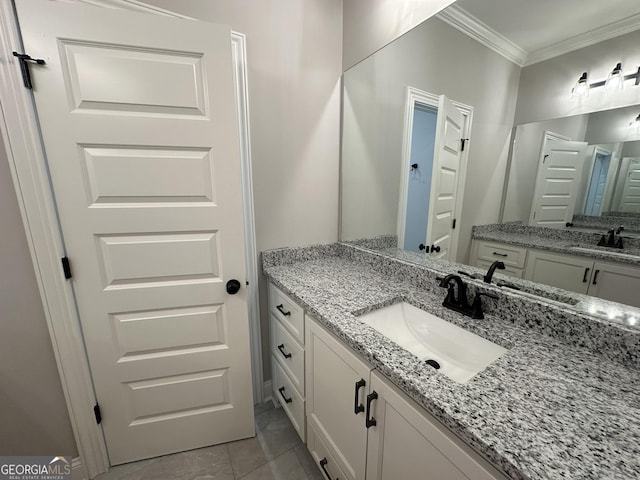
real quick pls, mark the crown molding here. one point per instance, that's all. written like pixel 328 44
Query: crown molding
pixel 487 36
pixel 600 34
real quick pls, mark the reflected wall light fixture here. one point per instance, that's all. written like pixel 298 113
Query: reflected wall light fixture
pixel 581 88
pixel 614 82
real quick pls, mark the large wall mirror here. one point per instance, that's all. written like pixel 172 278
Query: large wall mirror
pixel 394 109
pixel 403 150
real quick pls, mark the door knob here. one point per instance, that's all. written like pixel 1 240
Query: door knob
pixel 423 247
pixel 233 287
pixel 435 248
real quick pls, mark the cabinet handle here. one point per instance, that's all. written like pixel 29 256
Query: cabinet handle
pixel 369 420
pixel 500 254
pixel 595 277
pixel 284 354
pixel 286 314
pixel 357 408
pixel 287 400
pixel 586 272
pixel 323 463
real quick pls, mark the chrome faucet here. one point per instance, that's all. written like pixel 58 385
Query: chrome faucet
pixel 497 264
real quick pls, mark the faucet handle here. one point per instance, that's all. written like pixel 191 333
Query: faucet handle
pixel 477 304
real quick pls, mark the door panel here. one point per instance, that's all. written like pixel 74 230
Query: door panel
pixel 446 170
pixel 631 191
pixel 557 184
pixel 140 133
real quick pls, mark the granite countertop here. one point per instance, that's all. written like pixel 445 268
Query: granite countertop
pixel 545 410
pixel 561 241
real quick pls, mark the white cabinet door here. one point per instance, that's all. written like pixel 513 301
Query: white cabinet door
pixel 139 126
pixel 336 383
pixel 616 283
pixel 562 271
pixel 407 443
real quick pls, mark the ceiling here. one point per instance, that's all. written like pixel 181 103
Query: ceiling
pixel 546 28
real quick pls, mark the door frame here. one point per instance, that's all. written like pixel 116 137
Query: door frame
pixel 420 97
pixel 29 172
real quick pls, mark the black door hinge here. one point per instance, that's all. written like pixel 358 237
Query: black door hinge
pixel 97 413
pixel 464 142
pixel 454 224
pixel 23 58
pixel 66 268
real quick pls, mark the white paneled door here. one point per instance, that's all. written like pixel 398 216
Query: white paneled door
pixel 445 179
pixel 558 181
pixel 138 121
pixel 631 188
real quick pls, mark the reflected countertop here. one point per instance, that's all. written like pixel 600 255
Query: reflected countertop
pixel 581 242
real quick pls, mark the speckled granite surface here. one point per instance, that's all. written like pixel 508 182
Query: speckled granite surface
pixel 548 409
pixel 630 221
pixel 559 240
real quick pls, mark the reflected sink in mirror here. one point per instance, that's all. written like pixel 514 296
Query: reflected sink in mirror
pixel 459 353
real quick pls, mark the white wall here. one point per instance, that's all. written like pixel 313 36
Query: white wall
pixel 294 68
pixel 374 102
pixel 371 24
pixel 524 161
pixel 33 412
pixel 545 87
pixel 613 125
pixel 631 149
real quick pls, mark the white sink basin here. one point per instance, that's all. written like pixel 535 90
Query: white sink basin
pixel 460 353
pixel 615 254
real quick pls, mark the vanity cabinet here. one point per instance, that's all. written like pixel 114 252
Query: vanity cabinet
pixel 337 386
pixel 399 441
pixel 514 257
pixel 406 442
pixel 286 327
pixel 615 282
pixel 607 280
pixel 562 271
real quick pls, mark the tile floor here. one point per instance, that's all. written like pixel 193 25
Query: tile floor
pixel 275 453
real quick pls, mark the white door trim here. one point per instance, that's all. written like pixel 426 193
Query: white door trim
pixel 416 96
pixel 19 129
pixel 238 43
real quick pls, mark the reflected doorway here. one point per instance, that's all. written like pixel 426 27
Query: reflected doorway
pixel 423 137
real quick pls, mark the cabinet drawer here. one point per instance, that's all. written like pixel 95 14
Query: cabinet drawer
pixel 322 456
pixel 509 254
pixel 508 269
pixel 288 312
pixel 288 352
pixel 289 398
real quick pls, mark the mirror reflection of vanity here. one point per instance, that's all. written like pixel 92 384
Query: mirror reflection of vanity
pixel 500 167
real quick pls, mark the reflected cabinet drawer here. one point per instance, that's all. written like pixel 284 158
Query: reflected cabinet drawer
pixel 509 254
pixel 288 312
pixel 509 270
